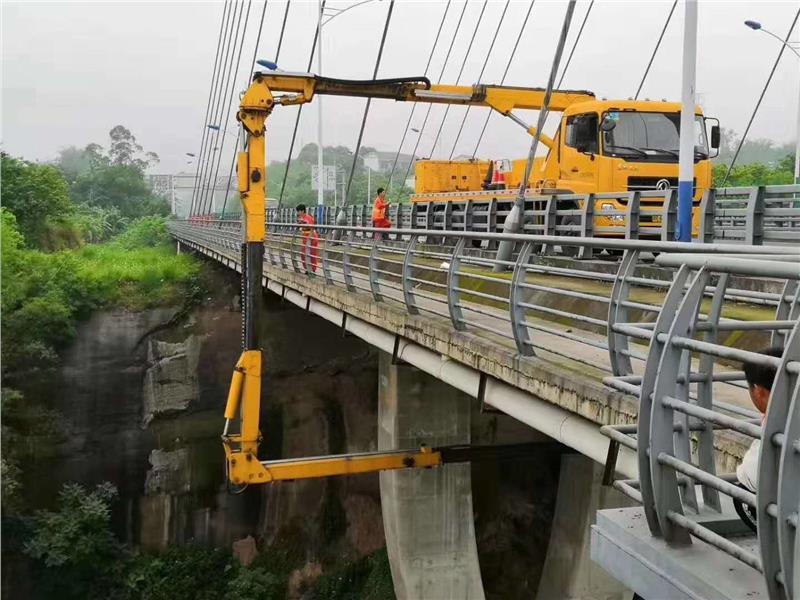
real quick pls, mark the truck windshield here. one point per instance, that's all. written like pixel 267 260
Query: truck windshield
pixel 650 136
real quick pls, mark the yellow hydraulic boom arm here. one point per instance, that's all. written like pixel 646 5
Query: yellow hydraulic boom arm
pixel 244 398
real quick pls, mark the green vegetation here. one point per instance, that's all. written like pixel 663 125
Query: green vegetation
pixel 782 173
pixel 77 556
pixel 298 186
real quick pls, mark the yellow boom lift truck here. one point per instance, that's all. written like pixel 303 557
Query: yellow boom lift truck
pixel 599 146
pixel 241 435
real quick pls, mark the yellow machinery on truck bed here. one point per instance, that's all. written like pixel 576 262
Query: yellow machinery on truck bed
pixel 241 435
pixel 600 146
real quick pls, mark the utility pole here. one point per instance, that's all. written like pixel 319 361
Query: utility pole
pixel 320 174
pixel 686 156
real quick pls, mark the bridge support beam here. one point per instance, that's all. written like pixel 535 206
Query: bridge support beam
pixel 427 514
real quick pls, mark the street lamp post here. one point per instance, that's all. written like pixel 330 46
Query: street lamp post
pixel 756 26
pixel 686 143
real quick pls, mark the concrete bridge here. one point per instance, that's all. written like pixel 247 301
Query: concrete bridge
pixel 569 347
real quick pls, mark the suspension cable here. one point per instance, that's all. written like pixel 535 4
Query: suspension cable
pixel 480 75
pixel 369 101
pixel 222 21
pixel 430 106
pixel 249 74
pixel 460 72
pixel 300 108
pixel 414 106
pixel 215 109
pixel 575 43
pixel 226 109
pixel 760 98
pixel 655 50
pixel 505 73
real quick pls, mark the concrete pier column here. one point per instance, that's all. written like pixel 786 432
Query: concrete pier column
pixel 569 573
pixel 427 514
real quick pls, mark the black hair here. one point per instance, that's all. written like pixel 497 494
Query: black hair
pixel 763 375
pixel 380 191
pixel 300 207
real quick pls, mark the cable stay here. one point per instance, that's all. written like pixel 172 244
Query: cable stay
pixel 480 75
pixel 414 106
pixel 300 110
pixel 227 100
pixel 211 143
pixel 575 44
pixel 222 23
pixel 505 72
pixel 369 102
pixel 460 72
pixel 655 50
pixel 439 80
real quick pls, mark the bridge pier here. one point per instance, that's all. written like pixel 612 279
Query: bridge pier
pixel 569 572
pixel 427 514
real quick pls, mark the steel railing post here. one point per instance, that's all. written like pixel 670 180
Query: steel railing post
pixel 516 312
pixel 372 271
pixel 669 215
pixel 618 348
pixel 632 216
pixel 408 267
pixel 453 295
pixel 587 225
pixel 754 220
pixel 347 272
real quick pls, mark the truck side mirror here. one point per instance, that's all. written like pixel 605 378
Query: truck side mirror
pixel 608 124
pixel 715 136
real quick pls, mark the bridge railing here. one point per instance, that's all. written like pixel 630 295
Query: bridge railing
pixel 537 297
pixel 754 215
pixel 680 422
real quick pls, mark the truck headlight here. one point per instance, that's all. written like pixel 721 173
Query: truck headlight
pixel 606 206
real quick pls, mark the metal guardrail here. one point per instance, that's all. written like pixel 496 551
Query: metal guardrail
pixel 679 420
pixel 676 305
pixel 753 216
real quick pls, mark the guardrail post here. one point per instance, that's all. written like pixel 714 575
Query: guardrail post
pixel 447 224
pixel 408 265
pixel 326 265
pixel 587 225
pixel 666 490
pixel 374 283
pixel 708 208
pixel 618 313
pixel 453 295
pixel 293 252
pixel 754 221
pixel 491 222
pixel 517 313
pixel 705 393
pixel 469 207
pixel 646 399
pixel 669 215
pixel 788 310
pixel 550 220
pixel 347 271
pixel 779 479
pixel 632 216
pixel 414 213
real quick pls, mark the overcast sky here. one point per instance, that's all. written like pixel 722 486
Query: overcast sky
pixel 73 70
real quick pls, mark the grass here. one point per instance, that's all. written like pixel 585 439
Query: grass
pixel 136 278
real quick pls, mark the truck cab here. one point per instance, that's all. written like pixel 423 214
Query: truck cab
pixel 600 146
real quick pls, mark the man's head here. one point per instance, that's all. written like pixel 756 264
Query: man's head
pixel 381 192
pixel 301 209
pixel 760 378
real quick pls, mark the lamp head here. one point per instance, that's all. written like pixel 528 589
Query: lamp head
pixel 754 25
pixel 268 64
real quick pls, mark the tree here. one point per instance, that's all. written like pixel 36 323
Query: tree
pixel 125 151
pixel 37 195
pixel 75 543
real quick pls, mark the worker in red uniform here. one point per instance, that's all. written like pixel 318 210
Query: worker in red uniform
pixel 310 244
pixel 380 217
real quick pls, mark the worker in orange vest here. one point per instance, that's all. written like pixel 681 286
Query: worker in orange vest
pixel 310 244
pixel 379 213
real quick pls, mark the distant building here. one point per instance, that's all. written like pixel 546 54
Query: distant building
pixel 382 162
